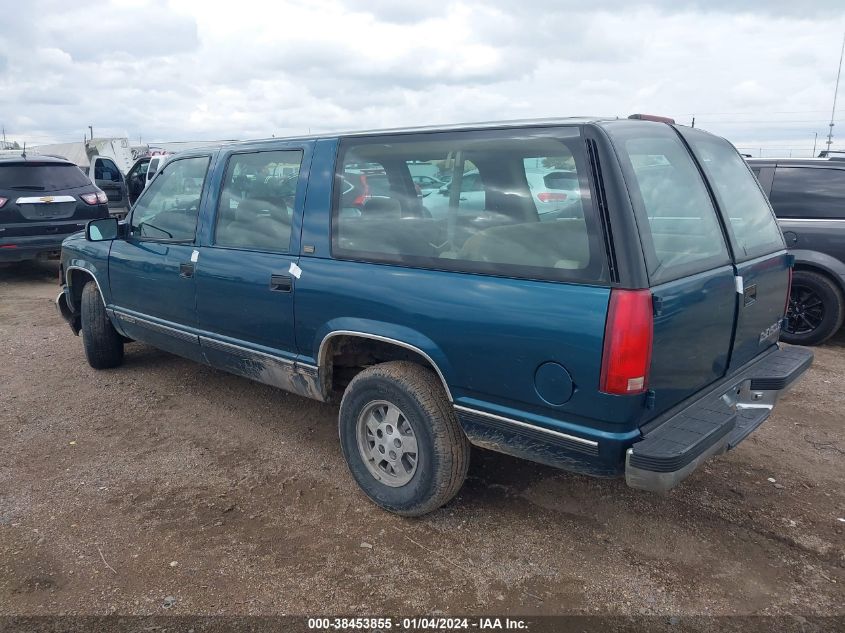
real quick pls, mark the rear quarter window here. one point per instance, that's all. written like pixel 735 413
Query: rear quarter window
pixel 750 218
pixel 44 177
pixel 513 203
pixel 809 192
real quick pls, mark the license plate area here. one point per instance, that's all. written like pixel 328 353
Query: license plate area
pixel 48 210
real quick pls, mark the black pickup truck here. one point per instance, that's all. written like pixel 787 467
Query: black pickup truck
pixel 808 197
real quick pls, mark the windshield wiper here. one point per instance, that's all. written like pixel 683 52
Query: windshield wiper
pixel 144 225
pixel 27 188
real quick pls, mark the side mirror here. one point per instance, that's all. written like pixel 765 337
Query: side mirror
pixel 102 230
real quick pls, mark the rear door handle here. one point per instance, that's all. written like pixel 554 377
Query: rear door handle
pixel 281 283
pixel 186 270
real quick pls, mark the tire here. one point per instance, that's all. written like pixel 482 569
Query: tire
pixel 442 452
pixel 103 345
pixel 816 309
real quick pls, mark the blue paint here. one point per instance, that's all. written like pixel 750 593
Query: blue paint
pixel 521 349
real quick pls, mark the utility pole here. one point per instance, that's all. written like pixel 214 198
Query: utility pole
pixel 91 129
pixel 815 139
pixel 835 91
pixel 693 122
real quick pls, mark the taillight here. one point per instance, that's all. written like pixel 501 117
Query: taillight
pixel 95 198
pixel 628 336
pixel 3 201
pixel 548 196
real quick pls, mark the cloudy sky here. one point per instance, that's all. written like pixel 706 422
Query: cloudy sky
pixel 760 72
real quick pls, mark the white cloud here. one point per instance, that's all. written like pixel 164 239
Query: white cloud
pixel 760 73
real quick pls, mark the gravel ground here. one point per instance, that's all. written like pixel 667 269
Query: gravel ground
pixel 165 479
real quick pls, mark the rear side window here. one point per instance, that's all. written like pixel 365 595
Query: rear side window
pixel 755 230
pixel 256 203
pixel 513 203
pixel 809 192
pixel 35 177
pixel 682 234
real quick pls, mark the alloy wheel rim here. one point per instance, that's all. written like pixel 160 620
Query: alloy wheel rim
pixel 806 310
pixel 387 443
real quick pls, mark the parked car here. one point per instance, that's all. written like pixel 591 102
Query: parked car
pixel 104 161
pixel 808 196
pixel 428 184
pixel 637 339
pixel 42 200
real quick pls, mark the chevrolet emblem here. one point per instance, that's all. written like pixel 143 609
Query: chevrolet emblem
pixel 47 199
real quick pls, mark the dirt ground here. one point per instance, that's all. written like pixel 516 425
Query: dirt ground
pixel 168 487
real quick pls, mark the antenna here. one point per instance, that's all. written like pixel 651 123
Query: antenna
pixel 835 91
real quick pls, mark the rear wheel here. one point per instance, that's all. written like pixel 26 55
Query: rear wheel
pixel 103 345
pixel 401 439
pixel 816 309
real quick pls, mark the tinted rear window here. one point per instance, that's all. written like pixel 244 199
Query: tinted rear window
pixel 681 231
pixel 738 193
pixel 34 177
pixel 809 192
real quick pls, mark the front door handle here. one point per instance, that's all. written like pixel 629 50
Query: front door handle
pixel 186 270
pixel 281 283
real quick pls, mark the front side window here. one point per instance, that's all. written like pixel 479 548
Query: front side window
pixel 139 169
pixel 167 210
pixel 257 200
pixel 513 203
pixel 809 192
pixel 105 169
pixel 738 193
pixel 682 234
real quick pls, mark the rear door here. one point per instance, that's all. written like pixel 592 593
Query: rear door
pixel 762 266
pixel 687 257
pixel 245 269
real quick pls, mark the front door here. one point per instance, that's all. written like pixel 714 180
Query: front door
pixel 136 179
pixel 108 178
pixel 151 273
pixel 245 280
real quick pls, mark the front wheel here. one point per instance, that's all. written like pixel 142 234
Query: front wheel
pixel 815 311
pixel 401 439
pixel 103 345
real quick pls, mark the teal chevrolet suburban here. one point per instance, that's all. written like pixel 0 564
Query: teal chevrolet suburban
pixel 603 296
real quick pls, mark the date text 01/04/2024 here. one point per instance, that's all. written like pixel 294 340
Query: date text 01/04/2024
pixel 415 624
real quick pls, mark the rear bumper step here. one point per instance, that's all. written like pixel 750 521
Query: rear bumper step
pixel 715 423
